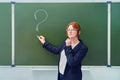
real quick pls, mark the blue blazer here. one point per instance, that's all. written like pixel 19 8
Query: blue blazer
pixel 74 59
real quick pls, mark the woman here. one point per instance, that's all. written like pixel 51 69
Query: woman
pixel 71 53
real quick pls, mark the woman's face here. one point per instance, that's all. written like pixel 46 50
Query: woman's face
pixel 71 32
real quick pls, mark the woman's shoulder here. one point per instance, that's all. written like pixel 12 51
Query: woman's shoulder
pixel 82 44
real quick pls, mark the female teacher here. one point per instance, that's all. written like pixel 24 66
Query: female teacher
pixel 71 53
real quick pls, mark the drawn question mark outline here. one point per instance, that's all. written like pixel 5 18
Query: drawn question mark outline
pixel 42 13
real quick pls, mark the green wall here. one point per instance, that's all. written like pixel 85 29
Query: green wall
pixel 115 33
pixel 5 34
pixel 91 16
pixel 53 18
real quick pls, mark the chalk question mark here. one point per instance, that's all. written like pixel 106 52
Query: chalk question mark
pixel 41 15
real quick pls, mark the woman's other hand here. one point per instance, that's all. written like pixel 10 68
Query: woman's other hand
pixel 68 42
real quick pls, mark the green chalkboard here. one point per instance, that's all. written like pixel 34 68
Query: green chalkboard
pixel 115 32
pixel 50 20
pixel 5 34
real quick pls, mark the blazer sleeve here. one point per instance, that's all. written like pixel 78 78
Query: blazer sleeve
pixel 52 48
pixel 75 58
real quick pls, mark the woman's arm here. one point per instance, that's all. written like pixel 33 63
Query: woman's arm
pixel 75 57
pixel 49 46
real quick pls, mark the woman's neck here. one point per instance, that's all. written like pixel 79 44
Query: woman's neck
pixel 74 40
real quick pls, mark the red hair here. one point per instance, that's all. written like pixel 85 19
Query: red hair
pixel 76 26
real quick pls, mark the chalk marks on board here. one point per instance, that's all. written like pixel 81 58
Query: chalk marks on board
pixel 40 15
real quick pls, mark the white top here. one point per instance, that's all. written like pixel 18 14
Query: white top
pixel 63 61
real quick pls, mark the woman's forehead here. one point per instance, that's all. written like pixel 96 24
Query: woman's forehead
pixel 70 27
